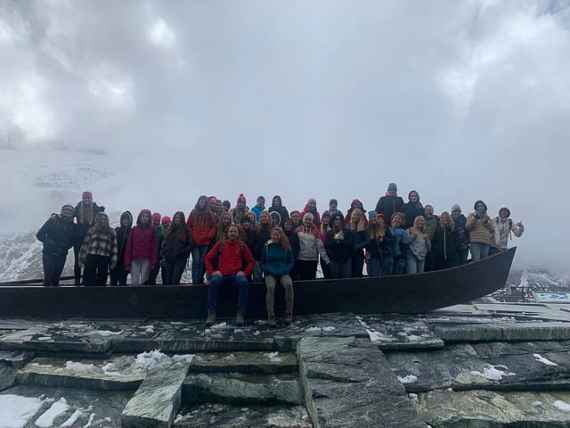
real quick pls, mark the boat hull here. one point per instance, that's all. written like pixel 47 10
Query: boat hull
pixel 407 294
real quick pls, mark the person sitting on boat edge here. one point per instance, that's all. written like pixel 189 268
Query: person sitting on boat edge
pixel 58 235
pixel 229 262
pixel 505 229
pixel 263 234
pixel 141 253
pixel 119 274
pixel 203 225
pixel 176 248
pixel 445 243
pixel 419 245
pixel 276 263
pixel 339 243
pixel 258 208
pixel 481 231
pixel 390 203
pixel 460 222
pixel 379 248
pixel 310 248
pixel 85 213
pixel 399 247
pixel 99 252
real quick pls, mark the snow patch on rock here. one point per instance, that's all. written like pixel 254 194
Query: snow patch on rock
pixel 408 379
pixel 493 373
pixel 16 411
pixel 56 409
pixel 544 361
pixel 562 405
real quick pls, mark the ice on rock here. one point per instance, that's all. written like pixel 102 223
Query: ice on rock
pixel 544 361
pixel 562 405
pixel 493 373
pixel 408 379
pixel 16 411
pixel 70 422
pixel 47 419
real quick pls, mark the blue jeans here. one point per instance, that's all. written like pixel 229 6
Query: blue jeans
pixel 198 269
pixel 479 251
pixel 414 265
pixel 217 281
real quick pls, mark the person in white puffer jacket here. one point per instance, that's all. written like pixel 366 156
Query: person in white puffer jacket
pixel 505 228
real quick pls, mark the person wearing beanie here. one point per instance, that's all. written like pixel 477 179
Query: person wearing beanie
pixel 227 206
pixel 413 208
pixel 203 225
pixel 277 206
pixel 58 234
pixel 141 254
pixel 175 250
pixel 119 274
pixel 460 221
pixel 229 263
pixel 258 208
pixel 165 223
pixel 84 213
pixel 240 211
pixel 390 203
pixel 99 252
pixel 505 229
pixel 481 231
pixel 159 232
pixel 311 207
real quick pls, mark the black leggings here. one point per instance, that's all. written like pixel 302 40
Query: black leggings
pixel 307 269
pixel 96 270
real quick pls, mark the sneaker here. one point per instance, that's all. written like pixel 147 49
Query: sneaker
pixel 239 319
pixel 211 319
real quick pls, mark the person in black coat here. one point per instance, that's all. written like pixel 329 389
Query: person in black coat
pixel 175 249
pixel 460 222
pixel 390 204
pixel 339 244
pixel 445 243
pixel 413 208
pixel 119 274
pixel 58 235
pixel 379 248
pixel 289 230
pixel 277 206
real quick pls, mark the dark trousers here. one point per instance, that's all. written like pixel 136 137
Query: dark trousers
pixel 400 266
pixel 430 262
pixel 233 280
pixel 357 265
pixel 76 264
pixel 153 274
pixel 172 271
pixel 375 267
pixel 462 255
pixel 340 269
pixel 53 267
pixel 96 270
pixel 326 269
pixel 119 275
pixel 307 269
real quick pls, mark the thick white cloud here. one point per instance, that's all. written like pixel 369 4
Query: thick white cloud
pixel 459 100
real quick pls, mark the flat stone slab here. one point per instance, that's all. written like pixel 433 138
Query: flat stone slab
pixel 229 416
pixel 30 406
pixel 119 373
pixel 348 383
pixel 504 332
pixel 156 402
pixel 392 334
pixel 244 362
pixel 7 376
pixel 487 409
pixel 492 366
pixel 240 388
pixel 16 359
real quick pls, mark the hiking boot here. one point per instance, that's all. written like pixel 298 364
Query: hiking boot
pixel 211 318
pixel 271 321
pixel 239 319
pixel 288 318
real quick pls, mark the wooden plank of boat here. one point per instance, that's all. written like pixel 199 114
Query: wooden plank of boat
pixel 409 294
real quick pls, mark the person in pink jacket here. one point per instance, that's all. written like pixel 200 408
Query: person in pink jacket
pixel 141 252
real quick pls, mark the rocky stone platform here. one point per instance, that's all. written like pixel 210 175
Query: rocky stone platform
pixel 478 365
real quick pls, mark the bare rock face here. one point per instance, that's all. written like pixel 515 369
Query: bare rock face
pixel 487 409
pixel 7 376
pixel 348 383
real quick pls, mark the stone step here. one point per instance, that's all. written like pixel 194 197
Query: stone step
pixel 486 409
pixel 221 415
pixel 118 373
pixel 245 362
pixel 157 401
pixel 399 334
pixel 241 388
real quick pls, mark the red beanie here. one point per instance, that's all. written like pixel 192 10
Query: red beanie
pixel 166 220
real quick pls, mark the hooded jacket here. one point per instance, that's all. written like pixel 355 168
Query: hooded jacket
pixel 142 243
pixel 413 210
pixel 122 233
pixel 203 225
pixel 445 245
pixel 280 209
pixel 275 260
pixel 232 257
pixel 176 244
pixel 388 205
pixel 58 236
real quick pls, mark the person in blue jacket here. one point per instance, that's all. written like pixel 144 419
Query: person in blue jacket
pixel 276 263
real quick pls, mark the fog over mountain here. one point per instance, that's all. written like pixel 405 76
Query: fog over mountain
pixel 152 103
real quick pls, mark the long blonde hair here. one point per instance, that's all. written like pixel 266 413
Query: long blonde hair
pixel 415 229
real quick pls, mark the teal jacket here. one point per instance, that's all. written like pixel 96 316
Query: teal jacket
pixel 275 260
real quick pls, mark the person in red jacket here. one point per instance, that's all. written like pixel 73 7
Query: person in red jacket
pixel 229 262
pixel 141 252
pixel 203 225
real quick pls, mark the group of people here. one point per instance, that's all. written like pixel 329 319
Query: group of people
pixel 239 245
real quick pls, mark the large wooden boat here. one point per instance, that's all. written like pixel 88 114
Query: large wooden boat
pixel 405 294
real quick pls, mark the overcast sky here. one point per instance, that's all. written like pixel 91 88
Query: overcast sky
pixel 152 103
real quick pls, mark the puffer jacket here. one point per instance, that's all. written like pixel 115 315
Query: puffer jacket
pixel 481 230
pixel 58 236
pixel 275 260
pixel 203 225
pixel 142 244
